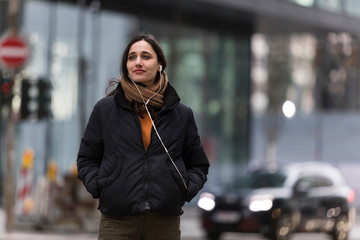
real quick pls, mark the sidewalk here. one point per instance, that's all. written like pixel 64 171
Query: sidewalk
pixel 46 236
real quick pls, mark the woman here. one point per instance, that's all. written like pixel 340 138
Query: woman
pixel 141 154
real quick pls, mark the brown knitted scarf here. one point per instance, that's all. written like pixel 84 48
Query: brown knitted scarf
pixel 132 94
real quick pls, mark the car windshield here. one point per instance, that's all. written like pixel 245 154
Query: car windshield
pixel 259 180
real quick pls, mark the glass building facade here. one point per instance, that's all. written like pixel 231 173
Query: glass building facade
pixel 79 51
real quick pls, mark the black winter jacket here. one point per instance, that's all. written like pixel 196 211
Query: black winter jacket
pixel 115 167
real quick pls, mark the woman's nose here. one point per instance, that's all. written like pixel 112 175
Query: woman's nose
pixel 138 61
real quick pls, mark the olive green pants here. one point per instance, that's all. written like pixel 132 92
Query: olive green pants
pixel 144 226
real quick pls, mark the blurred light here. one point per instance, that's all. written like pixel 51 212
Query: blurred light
pixel 52 171
pixel 261 203
pixel 259 102
pixel 28 205
pixel 16 103
pixel 284 231
pixel 344 38
pixel 303 46
pixel 351 196
pixel 276 213
pixel 333 212
pixel 330 213
pixel 27 160
pixel 5 87
pixel 337 211
pixel 60 49
pixel 289 109
pixel 259 75
pixel 206 201
pixel 302 77
pixel 214 106
pixel 330 223
pixel 259 46
pixel 305 3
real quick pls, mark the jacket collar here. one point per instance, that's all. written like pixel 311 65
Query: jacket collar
pixel 171 98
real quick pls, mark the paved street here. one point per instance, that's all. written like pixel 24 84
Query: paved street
pixel 78 236
pixel 190 231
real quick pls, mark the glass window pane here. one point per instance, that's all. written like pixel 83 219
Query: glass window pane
pixel 329 5
pixel 352 7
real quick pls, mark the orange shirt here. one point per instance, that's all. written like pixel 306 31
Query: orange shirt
pixel 146 129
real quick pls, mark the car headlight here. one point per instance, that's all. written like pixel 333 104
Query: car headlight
pixel 206 201
pixel 260 203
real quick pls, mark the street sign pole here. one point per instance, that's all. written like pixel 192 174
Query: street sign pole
pixel 6 56
pixel 9 178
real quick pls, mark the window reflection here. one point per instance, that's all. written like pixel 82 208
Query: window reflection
pixel 315 65
pixel 349 7
pixel 305 3
pixel 352 7
pixel 207 74
pixel 330 5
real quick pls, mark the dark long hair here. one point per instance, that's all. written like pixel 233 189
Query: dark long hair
pixel 154 44
pixel 124 71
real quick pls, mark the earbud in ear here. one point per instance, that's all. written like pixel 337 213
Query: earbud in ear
pixel 160 68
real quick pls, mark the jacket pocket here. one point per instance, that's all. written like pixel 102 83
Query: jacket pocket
pixel 110 169
pixel 178 173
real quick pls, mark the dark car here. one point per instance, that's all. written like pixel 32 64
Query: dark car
pixel 302 197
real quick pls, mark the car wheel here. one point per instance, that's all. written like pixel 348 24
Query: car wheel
pixel 213 235
pixel 342 227
pixel 281 229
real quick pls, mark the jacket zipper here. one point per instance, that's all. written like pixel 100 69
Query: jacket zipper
pixel 147 205
pixel 146 185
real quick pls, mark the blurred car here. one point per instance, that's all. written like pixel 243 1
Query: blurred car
pixel 302 197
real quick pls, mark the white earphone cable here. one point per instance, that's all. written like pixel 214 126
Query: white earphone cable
pixel 156 131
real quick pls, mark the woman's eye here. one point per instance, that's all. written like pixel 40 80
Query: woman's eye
pixel 146 57
pixel 131 57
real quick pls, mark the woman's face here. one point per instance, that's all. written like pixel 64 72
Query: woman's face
pixel 142 63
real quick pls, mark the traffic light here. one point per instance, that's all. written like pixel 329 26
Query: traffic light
pixel 44 99
pixel 6 93
pixel 36 99
pixel 29 103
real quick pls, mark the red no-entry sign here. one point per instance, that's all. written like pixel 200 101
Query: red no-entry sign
pixel 14 52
